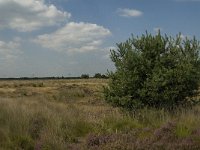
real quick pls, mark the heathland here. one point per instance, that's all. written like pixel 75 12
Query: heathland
pixel 72 114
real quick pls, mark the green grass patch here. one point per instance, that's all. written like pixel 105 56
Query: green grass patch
pixel 182 131
pixel 123 124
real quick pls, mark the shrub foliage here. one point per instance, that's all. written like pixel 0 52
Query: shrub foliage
pixel 154 71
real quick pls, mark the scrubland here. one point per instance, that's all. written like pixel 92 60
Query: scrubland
pixel 72 114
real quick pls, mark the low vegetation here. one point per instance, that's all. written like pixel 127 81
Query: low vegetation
pixel 71 114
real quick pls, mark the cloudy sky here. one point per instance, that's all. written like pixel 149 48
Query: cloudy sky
pixel 72 37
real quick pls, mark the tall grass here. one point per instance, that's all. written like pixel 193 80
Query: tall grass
pixel 49 124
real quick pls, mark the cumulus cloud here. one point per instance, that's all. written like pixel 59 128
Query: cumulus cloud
pixel 29 15
pixel 75 37
pixel 129 12
pixel 106 56
pixel 9 50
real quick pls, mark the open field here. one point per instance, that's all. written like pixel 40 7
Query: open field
pixel 71 114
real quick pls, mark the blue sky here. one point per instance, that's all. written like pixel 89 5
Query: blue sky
pixel 72 37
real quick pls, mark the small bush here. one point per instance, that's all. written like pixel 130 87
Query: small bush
pixel 154 71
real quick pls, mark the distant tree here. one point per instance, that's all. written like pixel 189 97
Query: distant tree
pixel 97 75
pixel 85 76
pixel 154 71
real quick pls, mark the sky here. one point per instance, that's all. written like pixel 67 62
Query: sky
pixel 40 38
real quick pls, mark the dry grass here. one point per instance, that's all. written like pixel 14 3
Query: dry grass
pixel 71 114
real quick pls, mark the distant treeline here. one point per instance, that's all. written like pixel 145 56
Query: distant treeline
pixel 39 78
pixel 83 76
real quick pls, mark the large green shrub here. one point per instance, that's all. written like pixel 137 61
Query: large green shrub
pixel 154 71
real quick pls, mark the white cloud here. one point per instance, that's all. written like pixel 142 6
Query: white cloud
pixel 106 56
pixel 75 37
pixel 9 50
pixel 129 12
pixel 182 36
pixel 29 15
pixel 156 29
